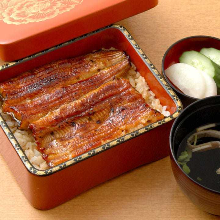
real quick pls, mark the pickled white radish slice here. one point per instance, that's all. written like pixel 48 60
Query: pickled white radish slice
pixel 211 88
pixel 188 79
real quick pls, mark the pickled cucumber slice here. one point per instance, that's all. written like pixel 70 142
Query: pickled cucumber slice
pixel 201 62
pixel 212 54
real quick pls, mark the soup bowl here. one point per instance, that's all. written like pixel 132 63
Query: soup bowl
pixel 174 52
pixel 199 113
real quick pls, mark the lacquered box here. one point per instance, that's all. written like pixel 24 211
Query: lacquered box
pixel 31 26
pixel 54 186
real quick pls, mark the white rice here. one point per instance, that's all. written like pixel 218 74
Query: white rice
pixel 139 83
pixel 27 142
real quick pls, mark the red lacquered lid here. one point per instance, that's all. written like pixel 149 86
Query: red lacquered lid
pixel 30 26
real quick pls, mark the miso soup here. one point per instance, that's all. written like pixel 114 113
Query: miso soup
pixel 201 163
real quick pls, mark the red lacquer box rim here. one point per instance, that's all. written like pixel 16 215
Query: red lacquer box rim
pixel 28 31
pixel 106 146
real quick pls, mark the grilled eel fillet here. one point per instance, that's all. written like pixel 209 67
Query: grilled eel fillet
pixel 110 111
pixel 75 105
pixel 28 84
pixel 34 94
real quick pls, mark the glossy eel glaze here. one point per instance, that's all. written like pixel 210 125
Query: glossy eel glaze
pixel 75 105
